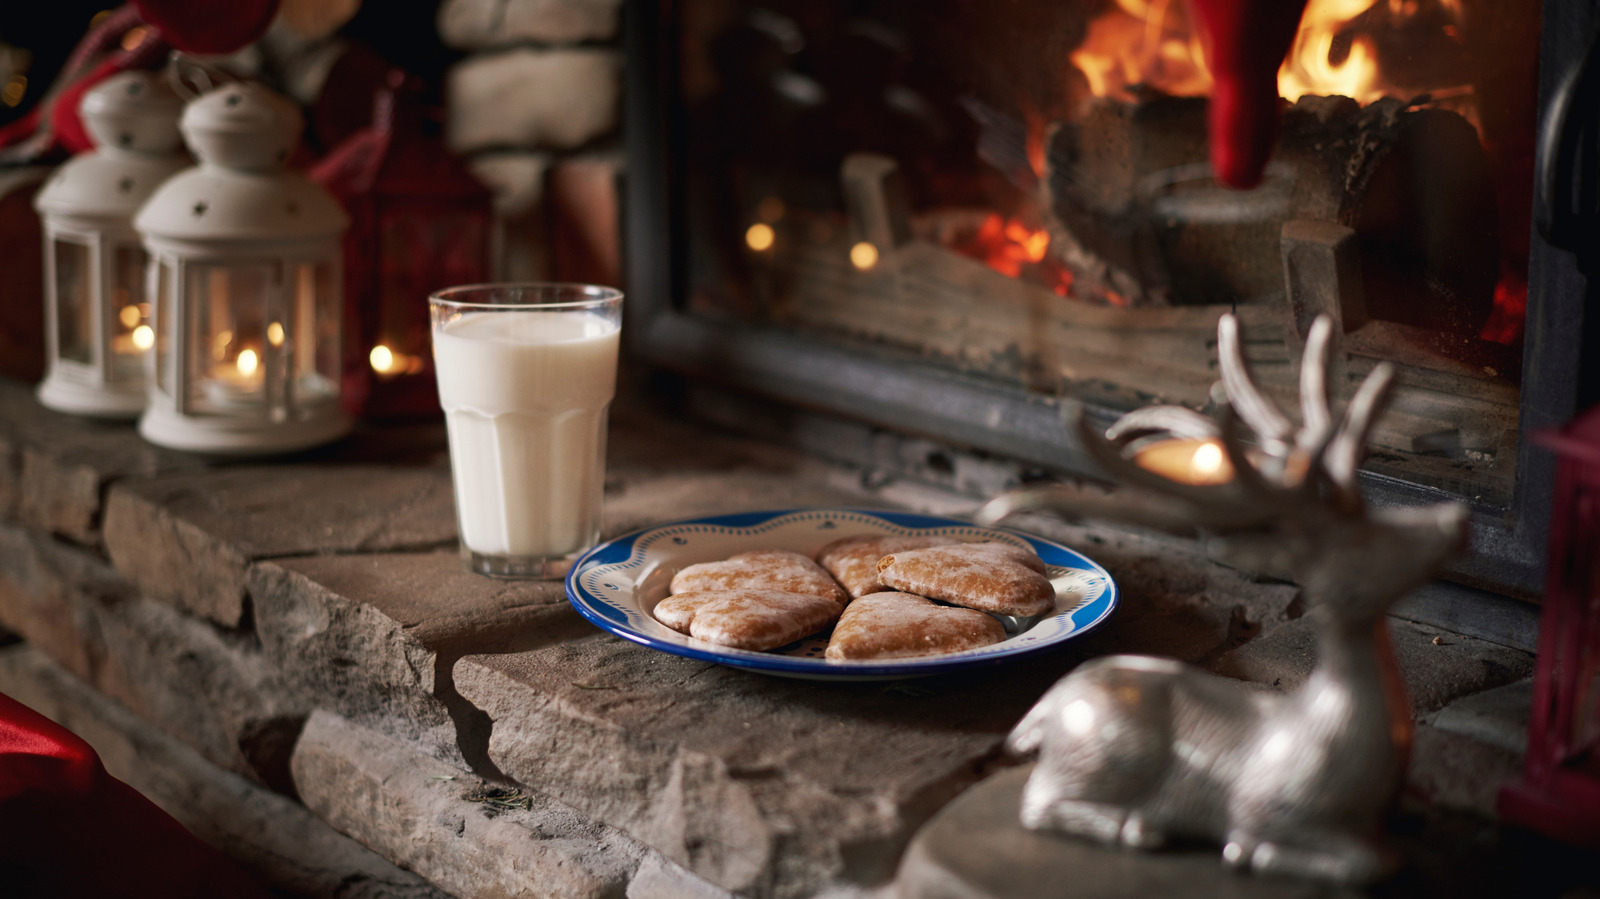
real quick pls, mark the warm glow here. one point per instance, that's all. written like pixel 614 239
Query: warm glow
pixel 133 37
pixel 771 209
pixel 129 316
pixel 1013 248
pixel 760 237
pixel 247 362
pixel 144 337
pixel 863 255
pixel 219 345
pixel 1188 460
pixel 1152 43
pixel 275 334
pixel 382 359
pixel 1143 42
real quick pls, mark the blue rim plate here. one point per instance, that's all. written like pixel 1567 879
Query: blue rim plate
pixel 617 584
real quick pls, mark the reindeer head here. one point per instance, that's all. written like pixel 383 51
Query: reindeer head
pixel 1293 506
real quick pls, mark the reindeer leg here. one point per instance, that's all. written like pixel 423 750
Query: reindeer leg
pixel 1331 856
pixel 1098 821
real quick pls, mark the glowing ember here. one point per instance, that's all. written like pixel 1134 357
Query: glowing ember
pixel 1506 321
pixel 1012 248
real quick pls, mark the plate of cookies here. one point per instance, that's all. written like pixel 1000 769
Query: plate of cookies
pixel 840 594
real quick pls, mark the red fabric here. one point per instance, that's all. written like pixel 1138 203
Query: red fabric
pixel 98 56
pixel 68 828
pixel 208 26
pixel 1246 41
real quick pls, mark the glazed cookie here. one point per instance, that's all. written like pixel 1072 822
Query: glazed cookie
pixel 747 619
pixel 853 561
pixel 762 569
pixel 989 577
pixel 894 625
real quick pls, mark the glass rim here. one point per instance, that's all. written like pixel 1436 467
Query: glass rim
pixel 590 295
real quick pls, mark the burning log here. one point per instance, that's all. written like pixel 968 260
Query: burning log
pixel 1135 212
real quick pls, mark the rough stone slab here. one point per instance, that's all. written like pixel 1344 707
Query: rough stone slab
pixel 51 594
pixel 412 808
pixel 1498 717
pixel 60 464
pixel 270 835
pixel 1453 771
pixel 376 638
pixel 976 848
pixel 1437 666
pixel 533 99
pixel 188 539
pixel 211 689
pixel 487 24
pixel 763 786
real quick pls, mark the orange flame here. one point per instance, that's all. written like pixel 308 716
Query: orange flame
pixel 1016 250
pixel 1151 43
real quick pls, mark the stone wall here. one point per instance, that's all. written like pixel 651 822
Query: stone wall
pixel 535 107
pixel 296 642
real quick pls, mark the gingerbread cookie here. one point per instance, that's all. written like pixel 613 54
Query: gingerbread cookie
pixel 892 625
pixel 762 569
pixel 853 561
pixel 989 577
pixel 747 619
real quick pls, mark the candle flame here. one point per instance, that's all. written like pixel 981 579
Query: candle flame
pixel 247 362
pixel 760 236
pixel 275 334
pixel 144 337
pixel 382 359
pixel 129 316
pixel 864 255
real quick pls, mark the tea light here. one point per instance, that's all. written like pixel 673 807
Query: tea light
pixel 1187 460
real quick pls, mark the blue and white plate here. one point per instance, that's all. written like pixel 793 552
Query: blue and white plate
pixel 617 584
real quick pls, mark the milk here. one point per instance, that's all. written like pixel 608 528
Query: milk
pixel 525 396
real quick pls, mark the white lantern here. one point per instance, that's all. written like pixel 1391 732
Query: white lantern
pixel 244 271
pixel 98 318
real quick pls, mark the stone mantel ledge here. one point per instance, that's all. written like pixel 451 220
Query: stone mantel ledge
pixel 227 604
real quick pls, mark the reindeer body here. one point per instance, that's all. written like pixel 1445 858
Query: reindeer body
pixel 1135 750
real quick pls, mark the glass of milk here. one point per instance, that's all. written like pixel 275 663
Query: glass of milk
pixel 526 373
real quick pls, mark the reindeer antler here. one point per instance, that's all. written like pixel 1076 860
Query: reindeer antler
pixel 1283 472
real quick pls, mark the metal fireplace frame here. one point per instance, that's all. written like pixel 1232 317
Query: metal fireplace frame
pixel 903 393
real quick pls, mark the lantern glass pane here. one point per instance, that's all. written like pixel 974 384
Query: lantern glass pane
pixel 74 274
pixel 317 321
pixel 131 332
pixel 229 360
pixel 163 325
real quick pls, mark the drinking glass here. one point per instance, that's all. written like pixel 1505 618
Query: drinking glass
pixel 526 374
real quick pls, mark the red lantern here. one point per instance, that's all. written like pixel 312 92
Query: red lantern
pixel 419 223
pixel 1559 793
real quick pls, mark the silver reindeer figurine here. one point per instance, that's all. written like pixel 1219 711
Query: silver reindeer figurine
pixel 1136 749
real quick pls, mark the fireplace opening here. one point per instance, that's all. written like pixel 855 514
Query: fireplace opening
pixel 1021 191
pixel 1015 199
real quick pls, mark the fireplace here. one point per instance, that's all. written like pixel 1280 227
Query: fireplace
pixel 956 220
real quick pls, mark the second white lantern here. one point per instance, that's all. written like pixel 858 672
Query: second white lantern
pixel 245 275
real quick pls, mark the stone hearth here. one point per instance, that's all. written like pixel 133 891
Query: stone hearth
pixel 290 659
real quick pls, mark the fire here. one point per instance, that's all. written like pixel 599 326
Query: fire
pixel 1143 42
pixel 1012 248
pixel 1151 43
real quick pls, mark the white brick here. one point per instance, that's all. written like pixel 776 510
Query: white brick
pixel 556 99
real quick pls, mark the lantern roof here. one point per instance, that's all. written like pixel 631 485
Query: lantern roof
pixel 213 203
pixel 242 134
pixel 135 112
pixel 105 185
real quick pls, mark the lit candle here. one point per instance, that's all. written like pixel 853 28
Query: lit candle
pixel 1187 460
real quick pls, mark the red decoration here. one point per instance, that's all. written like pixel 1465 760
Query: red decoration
pixel 207 27
pixel 1245 41
pixel 1559 794
pixel 68 828
pixel 419 222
